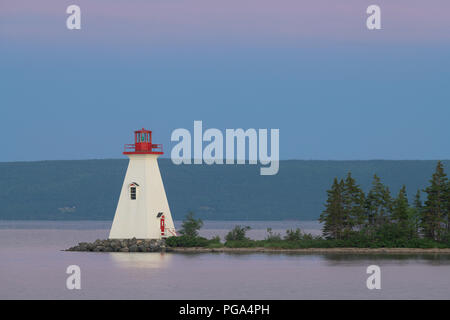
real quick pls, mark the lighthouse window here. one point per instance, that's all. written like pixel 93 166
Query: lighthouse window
pixel 133 193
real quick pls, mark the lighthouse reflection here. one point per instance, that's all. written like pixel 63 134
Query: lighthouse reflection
pixel 149 260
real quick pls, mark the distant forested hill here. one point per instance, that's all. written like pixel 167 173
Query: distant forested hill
pixel 89 189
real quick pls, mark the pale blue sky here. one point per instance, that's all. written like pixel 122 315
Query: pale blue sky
pixel 334 89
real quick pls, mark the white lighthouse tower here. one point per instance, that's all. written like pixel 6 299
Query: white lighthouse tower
pixel 143 211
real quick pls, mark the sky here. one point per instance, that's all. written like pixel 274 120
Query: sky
pixel 312 69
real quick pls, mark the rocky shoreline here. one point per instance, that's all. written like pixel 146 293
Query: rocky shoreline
pixel 123 245
pixel 315 250
pixel 154 245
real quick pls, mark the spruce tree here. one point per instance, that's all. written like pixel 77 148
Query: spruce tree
pixel 447 197
pixel 417 201
pixel 378 204
pixel 191 226
pixel 400 207
pixel 414 214
pixel 435 211
pixel 333 215
pixel 353 205
pixel 401 213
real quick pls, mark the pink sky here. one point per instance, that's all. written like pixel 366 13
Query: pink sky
pixel 244 21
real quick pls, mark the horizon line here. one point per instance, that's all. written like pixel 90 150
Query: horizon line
pixel 283 160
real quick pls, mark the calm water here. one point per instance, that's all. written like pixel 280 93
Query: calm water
pixel 32 266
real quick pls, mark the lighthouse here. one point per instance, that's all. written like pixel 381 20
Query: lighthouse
pixel 142 211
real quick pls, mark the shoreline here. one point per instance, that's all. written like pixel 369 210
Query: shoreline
pixel 312 250
pixel 155 245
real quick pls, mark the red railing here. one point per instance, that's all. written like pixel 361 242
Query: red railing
pixel 154 148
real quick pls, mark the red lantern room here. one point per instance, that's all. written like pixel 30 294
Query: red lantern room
pixel 143 144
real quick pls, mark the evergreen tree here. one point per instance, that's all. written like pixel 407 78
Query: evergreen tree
pixel 417 201
pixel 414 214
pixel 378 204
pixel 333 216
pixel 401 214
pixel 400 207
pixel 353 205
pixel 435 211
pixel 447 197
pixel 238 234
pixel 191 226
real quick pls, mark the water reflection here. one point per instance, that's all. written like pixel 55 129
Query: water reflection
pixel 386 259
pixel 330 259
pixel 149 260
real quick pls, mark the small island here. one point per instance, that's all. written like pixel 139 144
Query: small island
pixel 124 245
pixel 353 222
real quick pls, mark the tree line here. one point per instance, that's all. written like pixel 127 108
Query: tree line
pixel 353 218
pixel 350 213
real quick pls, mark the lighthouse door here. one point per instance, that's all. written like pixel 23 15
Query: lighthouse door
pixel 162 225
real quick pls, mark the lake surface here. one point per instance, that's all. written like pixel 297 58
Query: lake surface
pixel 32 266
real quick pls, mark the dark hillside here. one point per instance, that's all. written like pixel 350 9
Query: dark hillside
pixel 89 189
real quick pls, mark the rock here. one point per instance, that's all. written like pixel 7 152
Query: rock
pixel 122 245
pixel 115 244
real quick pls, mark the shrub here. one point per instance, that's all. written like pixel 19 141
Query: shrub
pixel 292 235
pixel 297 235
pixel 272 236
pixel 215 239
pixel 191 226
pixel 237 234
pixel 187 241
pixel 247 243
